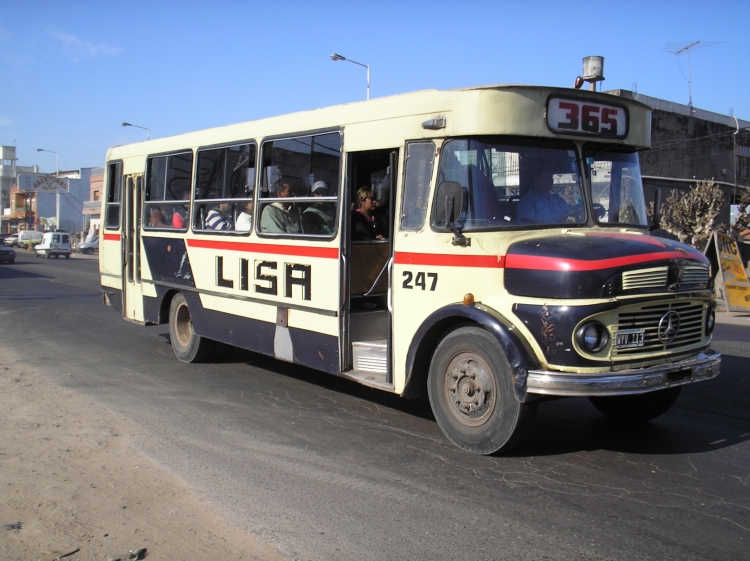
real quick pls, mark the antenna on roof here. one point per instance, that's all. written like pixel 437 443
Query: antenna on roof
pixel 679 48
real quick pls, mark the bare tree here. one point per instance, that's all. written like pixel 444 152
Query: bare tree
pixel 742 222
pixel 691 215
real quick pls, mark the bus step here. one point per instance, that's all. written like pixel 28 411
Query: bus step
pixel 370 356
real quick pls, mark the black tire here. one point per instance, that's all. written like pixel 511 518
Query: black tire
pixel 471 394
pixel 88 251
pixel 67 256
pixel 187 346
pixel 639 408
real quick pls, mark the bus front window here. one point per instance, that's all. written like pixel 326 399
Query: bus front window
pixel 509 184
pixel 616 187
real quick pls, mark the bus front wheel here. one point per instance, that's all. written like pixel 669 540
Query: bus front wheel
pixel 471 393
pixel 187 346
pixel 639 408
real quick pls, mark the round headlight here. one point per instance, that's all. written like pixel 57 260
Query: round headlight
pixel 592 336
pixel 710 321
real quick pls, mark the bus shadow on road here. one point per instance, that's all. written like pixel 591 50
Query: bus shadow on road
pixel 226 354
pixel 708 416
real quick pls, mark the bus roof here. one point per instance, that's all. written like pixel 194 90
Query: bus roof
pixel 517 110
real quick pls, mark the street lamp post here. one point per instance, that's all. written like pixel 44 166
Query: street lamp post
pixel 57 187
pixel 148 131
pixel 336 57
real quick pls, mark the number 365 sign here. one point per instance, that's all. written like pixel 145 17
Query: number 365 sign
pixel 575 116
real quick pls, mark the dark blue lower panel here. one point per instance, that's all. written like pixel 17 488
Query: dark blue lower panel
pixel 114 295
pixel 153 311
pixel 312 349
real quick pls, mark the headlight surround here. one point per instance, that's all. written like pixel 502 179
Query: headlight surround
pixel 710 321
pixel 592 336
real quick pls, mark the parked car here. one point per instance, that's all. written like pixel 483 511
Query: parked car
pixel 90 246
pixel 7 255
pixel 54 244
pixel 11 240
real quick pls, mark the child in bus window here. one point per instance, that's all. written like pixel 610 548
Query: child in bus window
pixel 218 218
pixel 157 218
pixel 245 218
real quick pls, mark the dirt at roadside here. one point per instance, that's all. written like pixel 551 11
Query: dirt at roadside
pixel 70 476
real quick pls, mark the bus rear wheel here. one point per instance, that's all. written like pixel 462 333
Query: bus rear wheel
pixel 187 346
pixel 471 393
pixel 639 408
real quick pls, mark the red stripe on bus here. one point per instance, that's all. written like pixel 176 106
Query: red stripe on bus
pixel 532 261
pixel 112 237
pixel 440 260
pixel 296 250
pixel 558 264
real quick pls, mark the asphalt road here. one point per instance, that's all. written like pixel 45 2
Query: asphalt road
pixel 329 470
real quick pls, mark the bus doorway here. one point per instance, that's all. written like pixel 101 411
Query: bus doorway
pixel 371 180
pixel 132 294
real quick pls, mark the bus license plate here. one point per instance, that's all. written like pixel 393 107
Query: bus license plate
pixel 627 338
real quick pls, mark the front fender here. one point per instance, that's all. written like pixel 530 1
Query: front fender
pixel 519 356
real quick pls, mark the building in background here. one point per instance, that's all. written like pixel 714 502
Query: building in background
pixel 70 212
pixel 690 145
pixel 37 209
pixel 8 173
pixel 93 206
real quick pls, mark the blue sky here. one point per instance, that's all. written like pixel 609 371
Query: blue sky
pixel 74 71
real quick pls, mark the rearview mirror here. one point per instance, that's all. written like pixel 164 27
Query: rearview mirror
pixel 449 201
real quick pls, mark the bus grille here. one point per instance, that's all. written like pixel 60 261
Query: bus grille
pixel 647 317
pixel 694 274
pixel 645 278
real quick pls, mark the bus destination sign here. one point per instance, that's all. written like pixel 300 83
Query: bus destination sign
pixel 575 116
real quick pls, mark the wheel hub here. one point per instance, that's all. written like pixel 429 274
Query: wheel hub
pixel 183 326
pixel 470 389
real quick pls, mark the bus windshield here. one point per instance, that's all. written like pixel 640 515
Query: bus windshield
pixel 616 186
pixel 511 183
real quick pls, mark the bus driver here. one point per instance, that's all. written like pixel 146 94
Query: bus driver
pixel 540 205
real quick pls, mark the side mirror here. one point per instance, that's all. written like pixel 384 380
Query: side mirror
pixel 657 211
pixel 449 203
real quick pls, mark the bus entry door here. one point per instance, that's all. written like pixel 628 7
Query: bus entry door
pixel 132 295
pixel 367 320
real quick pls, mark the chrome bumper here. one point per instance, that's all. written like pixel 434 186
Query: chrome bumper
pixel 640 380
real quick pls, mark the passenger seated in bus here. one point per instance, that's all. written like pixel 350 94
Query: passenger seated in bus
pixel 280 217
pixel 157 218
pixel 245 218
pixel 319 217
pixel 365 226
pixel 179 218
pixel 541 206
pixel 218 218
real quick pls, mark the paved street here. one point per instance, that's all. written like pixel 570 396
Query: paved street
pixel 329 470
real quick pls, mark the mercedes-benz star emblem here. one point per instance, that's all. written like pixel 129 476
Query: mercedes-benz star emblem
pixel 669 325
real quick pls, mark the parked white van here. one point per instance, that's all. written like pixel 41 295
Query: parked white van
pixel 26 237
pixel 54 244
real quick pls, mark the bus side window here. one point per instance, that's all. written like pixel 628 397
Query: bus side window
pixel 224 189
pixel 419 161
pixel 168 191
pixel 299 189
pixel 114 192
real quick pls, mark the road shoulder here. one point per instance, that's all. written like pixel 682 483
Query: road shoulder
pixel 70 476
